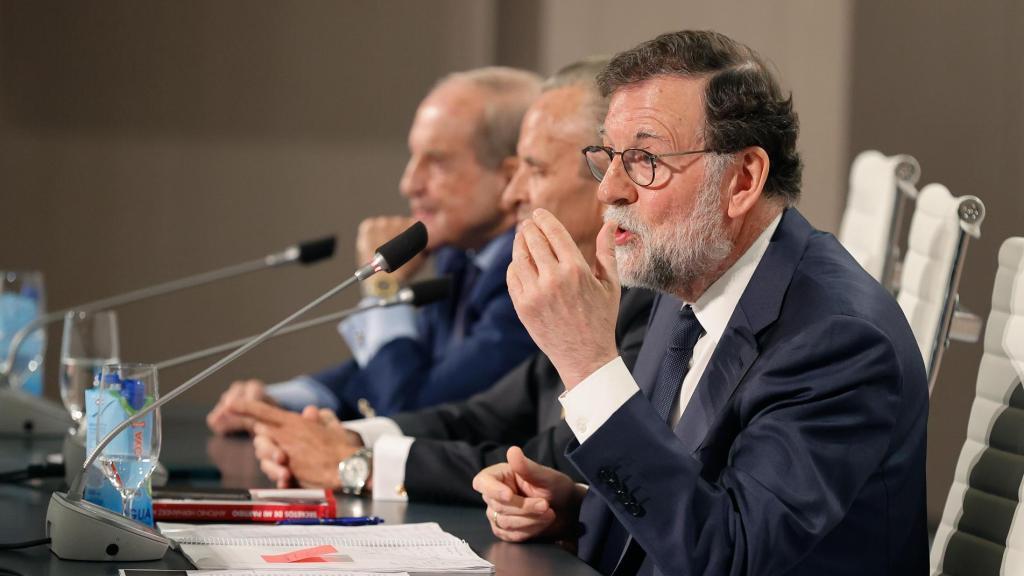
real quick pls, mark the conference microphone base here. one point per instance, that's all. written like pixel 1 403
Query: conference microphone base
pixel 23 414
pixel 81 530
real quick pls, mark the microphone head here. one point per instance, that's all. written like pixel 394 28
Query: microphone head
pixel 312 251
pixel 430 291
pixel 400 249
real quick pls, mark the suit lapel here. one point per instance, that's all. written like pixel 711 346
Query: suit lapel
pixel 757 309
pixel 492 279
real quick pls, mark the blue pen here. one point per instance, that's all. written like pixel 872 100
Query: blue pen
pixel 344 521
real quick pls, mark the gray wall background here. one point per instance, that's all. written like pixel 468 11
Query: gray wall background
pixel 143 141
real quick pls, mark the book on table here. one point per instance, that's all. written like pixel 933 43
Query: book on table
pixel 241 505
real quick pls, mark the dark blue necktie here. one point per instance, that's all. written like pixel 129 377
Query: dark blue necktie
pixel 674 366
pixel 676 362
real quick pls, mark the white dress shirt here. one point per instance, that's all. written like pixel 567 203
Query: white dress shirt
pixel 593 401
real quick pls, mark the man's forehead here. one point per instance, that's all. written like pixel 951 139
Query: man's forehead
pixel 653 108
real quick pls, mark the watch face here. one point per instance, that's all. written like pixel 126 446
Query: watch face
pixel 355 472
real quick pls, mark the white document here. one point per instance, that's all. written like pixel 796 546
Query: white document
pixel 139 572
pixel 396 548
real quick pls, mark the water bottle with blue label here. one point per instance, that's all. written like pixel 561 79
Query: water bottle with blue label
pixel 22 300
pixel 119 479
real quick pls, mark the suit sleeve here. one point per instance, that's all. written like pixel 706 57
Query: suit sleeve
pixel 508 414
pixel 404 374
pixel 814 423
pixel 505 412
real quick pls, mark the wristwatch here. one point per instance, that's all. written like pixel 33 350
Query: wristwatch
pixel 354 471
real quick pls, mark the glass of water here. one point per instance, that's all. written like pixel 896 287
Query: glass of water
pixel 123 391
pixel 90 340
pixel 22 300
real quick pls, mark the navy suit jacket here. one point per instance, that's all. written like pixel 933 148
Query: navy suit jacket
pixel 802 450
pixel 407 373
pixel 455 441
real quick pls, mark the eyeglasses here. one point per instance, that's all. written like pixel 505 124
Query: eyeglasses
pixel 639 164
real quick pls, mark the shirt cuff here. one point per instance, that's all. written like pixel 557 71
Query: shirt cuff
pixel 368 331
pixel 297 393
pixel 390 454
pixel 373 429
pixel 593 401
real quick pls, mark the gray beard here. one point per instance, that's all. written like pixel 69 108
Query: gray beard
pixel 673 260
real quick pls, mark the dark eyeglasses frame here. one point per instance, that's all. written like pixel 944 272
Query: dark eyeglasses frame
pixel 648 156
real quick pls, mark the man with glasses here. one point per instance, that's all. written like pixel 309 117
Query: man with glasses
pixel 775 420
pixel 462 155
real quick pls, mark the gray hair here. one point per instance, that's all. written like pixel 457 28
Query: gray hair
pixel 509 93
pixel 583 73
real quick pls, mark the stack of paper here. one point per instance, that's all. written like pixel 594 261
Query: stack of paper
pixel 398 548
pixel 134 572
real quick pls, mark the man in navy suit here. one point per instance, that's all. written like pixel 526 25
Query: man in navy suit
pixel 775 419
pixel 462 155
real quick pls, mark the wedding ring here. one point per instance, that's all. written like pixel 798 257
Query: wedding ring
pixel 494 516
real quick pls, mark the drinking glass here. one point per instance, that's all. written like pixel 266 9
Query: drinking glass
pixel 90 340
pixel 22 300
pixel 127 462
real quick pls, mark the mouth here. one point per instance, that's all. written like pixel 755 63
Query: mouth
pixel 421 213
pixel 623 236
pixel 523 214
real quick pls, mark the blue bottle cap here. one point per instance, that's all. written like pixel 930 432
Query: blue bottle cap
pixel 134 392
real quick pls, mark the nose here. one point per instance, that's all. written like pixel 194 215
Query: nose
pixel 617 187
pixel 412 182
pixel 515 192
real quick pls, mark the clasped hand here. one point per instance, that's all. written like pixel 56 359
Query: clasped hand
pixel 526 500
pixel 568 308
pixel 302 449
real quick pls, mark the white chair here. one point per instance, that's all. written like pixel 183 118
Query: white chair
pixel 940 230
pixel 982 528
pixel 880 186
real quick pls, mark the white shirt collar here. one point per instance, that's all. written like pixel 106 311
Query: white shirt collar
pixel 715 306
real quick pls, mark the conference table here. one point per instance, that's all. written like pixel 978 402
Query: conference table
pixel 194 457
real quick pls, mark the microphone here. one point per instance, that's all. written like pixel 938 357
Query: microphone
pixel 81 530
pixel 417 294
pixel 394 253
pixel 25 413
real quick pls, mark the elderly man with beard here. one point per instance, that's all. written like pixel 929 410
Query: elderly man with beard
pixel 775 420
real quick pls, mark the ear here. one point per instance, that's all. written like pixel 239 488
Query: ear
pixel 752 166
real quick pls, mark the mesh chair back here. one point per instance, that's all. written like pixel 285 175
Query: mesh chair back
pixel 982 528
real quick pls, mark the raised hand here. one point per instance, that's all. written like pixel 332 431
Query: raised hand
pixel 569 310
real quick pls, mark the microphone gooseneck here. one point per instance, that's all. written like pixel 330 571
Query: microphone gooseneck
pixel 306 253
pixel 418 294
pixel 412 241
